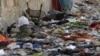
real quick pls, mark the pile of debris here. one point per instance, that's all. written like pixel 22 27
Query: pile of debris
pixel 60 34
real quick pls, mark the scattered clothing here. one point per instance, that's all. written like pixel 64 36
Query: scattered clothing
pixel 23 21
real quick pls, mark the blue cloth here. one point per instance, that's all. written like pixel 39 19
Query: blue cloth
pixel 67 3
pixel 36 45
pixel 20 44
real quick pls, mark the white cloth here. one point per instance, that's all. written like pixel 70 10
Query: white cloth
pixel 72 19
pixel 83 17
pixel 28 45
pixel 2 52
pixel 22 21
pixel 71 47
pixel 13 46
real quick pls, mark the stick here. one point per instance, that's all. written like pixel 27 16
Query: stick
pixel 40 12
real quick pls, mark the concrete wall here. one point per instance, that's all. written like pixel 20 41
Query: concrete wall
pixel 11 9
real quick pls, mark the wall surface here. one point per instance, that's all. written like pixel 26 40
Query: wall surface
pixel 12 9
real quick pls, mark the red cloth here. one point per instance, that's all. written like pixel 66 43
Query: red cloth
pixel 4 39
pixel 65 37
pixel 55 4
pixel 93 25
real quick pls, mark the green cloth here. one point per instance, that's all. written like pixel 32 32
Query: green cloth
pixel 37 54
pixel 66 3
pixel 59 31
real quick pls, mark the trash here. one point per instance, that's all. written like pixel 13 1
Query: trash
pixel 73 34
pixel 21 52
pixel 36 45
pixel 71 47
pixel 37 54
pixel 28 45
pixel 59 31
pixel 13 46
pixel 2 52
